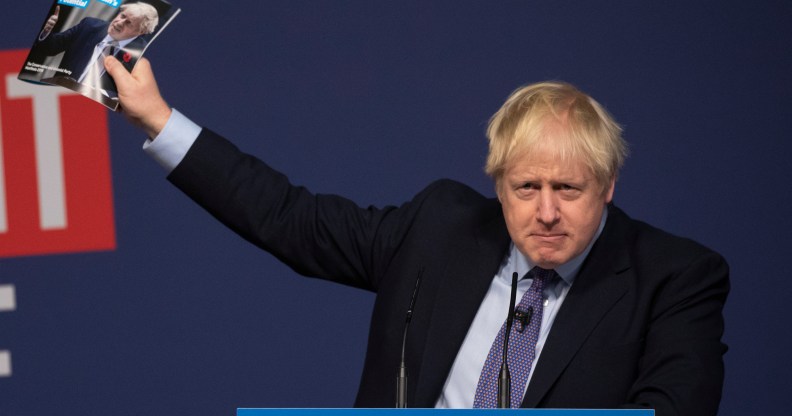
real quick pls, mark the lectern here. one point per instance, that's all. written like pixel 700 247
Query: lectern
pixel 444 412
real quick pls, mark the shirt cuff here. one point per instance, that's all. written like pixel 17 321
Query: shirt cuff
pixel 173 142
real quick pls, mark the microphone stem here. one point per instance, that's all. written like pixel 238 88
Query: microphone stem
pixel 504 377
pixel 401 378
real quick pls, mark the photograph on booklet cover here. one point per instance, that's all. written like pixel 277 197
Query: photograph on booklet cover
pixel 77 35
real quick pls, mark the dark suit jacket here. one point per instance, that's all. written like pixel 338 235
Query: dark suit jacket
pixel 78 43
pixel 640 327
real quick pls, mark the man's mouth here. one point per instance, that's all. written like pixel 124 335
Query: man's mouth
pixel 548 237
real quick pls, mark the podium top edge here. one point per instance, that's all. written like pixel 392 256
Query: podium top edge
pixel 443 412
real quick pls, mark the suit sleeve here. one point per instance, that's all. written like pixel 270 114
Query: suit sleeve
pixel 681 371
pixel 323 236
pixel 56 43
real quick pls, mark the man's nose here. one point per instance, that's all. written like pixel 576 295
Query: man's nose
pixel 547 211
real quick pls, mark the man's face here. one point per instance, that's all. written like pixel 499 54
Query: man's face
pixel 552 207
pixel 124 26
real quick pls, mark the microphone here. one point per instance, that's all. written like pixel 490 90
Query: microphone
pixel 504 377
pixel 401 378
pixel 524 318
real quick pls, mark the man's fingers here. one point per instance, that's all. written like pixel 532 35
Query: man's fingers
pixel 141 78
pixel 140 99
pixel 142 70
pixel 54 18
pixel 117 71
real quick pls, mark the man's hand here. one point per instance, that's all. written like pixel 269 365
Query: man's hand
pixel 139 95
pixel 52 20
pixel 50 24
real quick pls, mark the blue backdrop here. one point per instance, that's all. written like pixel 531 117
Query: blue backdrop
pixel 372 100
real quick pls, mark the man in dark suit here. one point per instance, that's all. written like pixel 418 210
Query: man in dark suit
pixel 627 315
pixel 86 44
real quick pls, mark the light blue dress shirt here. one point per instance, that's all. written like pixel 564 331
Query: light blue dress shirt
pixel 173 142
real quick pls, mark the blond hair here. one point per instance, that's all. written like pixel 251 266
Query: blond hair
pixel 149 18
pixel 556 114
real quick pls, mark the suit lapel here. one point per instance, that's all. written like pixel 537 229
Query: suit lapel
pixel 464 283
pixel 596 289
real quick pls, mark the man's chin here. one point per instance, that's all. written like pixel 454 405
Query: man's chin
pixel 547 259
pixel 117 36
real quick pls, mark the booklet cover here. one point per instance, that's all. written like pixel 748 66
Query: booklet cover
pixel 77 35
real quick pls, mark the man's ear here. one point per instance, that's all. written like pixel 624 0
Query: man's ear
pixel 608 192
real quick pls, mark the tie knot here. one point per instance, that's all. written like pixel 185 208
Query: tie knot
pixel 540 276
pixel 109 46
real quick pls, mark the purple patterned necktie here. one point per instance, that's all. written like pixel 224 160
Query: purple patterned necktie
pixel 522 346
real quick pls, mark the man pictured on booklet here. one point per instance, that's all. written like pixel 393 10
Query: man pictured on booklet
pixel 614 312
pixel 88 43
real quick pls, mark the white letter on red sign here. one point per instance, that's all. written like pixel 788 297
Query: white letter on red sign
pixel 49 152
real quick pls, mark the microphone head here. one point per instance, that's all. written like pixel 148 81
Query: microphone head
pixel 523 317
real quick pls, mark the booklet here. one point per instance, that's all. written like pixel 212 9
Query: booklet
pixel 77 35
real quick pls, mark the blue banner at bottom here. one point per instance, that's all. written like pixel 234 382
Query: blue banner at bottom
pixel 445 412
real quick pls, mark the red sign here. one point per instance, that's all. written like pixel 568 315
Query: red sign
pixel 55 182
